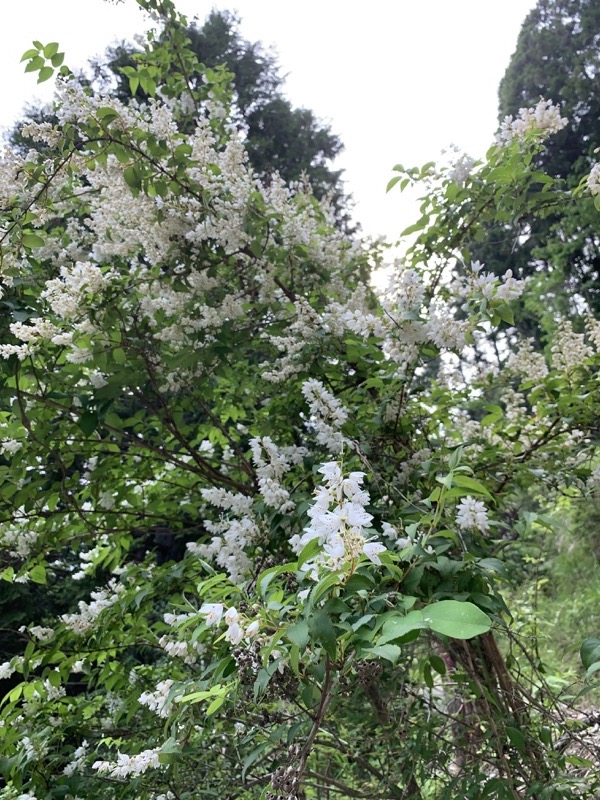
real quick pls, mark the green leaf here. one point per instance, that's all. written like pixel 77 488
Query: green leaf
pixel 36 63
pixel 295 660
pixel 253 756
pixel 516 739
pixel 397 627
pixel 298 633
pixel 391 652
pixel 31 53
pixel 438 664
pixel 38 574
pixel 106 114
pixel 32 240
pixel 119 355
pixel 506 314
pixel 418 226
pixel 45 74
pixel 459 620
pixel 546 736
pixel 88 422
pixel 427 676
pixel 215 705
pixel 456 619
pixel 592 669
pixel 132 177
pixel 309 550
pixel 51 49
pixel 169 751
pixel 323 586
pixel 321 629
pixel 265 577
pixel 464 482
pixel 590 651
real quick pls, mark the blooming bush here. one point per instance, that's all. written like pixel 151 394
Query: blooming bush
pixel 281 502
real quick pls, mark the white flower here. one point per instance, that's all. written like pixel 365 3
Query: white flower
pixel 252 629
pixel 158 701
pixel 234 634
pixel 106 500
pixel 231 616
pixel 331 471
pixel 41 634
pixel 327 415
pixel 85 620
pixel 372 551
pixel 213 613
pixel 129 765
pixel 335 547
pixel 10 446
pixel 338 519
pixel 97 379
pixel 543 119
pixel 472 514
pixel 6 670
pixel 593 180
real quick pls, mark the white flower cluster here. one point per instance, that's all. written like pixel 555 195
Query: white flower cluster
pixel 40 633
pixel 354 315
pixel 338 522
pixel 461 169
pixel 544 118
pixel 527 362
pixel 88 614
pixel 77 762
pixel 410 322
pixel 176 648
pixel 327 415
pixel 34 750
pixel 593 179
pixel 230 536
pixel 68 295
pixel 472 514
pixel 10 446
pixel 19 536
pixel 569 349
pixel 405 292
pixel 161 700
pixel 270 471
pixel 487 284
pixel 237 629
pixel 592 326
pixel 6 670
pixel 291 347
pixel 36 331
pixel 129 765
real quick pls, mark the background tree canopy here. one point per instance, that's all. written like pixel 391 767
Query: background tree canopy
pixel 556 57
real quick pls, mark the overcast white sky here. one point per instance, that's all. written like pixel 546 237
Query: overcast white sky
pixel 397 80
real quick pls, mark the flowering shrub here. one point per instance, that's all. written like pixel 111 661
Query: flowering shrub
pixel 281 502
